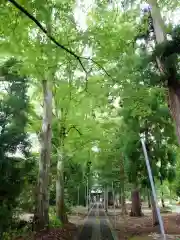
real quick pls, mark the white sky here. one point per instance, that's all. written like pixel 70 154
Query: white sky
pixel 81 10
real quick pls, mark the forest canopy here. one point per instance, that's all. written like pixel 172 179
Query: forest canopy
pixel 80 81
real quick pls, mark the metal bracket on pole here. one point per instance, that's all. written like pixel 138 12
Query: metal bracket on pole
pixel 153 188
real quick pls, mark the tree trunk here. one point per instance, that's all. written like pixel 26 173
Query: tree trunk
pixel 162 202
pixel 123 195
pixel 155 221
pixel 123 201
pixel 136 204
pixel 110 198
pixel 170 191
pixel 162 195
pixel 106 199
pixel 60 206
pixel 120 197
pixel 173 84
pixel 174 105
pixel 149 198
pixel 162 199
pixel 42 197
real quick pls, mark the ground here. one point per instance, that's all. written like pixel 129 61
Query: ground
pixel 133 228
pixel 114 226
pixel 141 228
pixel 66 233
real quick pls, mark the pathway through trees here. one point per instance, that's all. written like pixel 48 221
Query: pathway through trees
pixel 96 225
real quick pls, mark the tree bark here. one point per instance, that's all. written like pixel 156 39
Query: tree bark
pixel 123 201
pixel 42 197
pixel 110 198
pixel 106 199
pixel 162 202
pixel 162 194
pixel 60 205
pixel 162 199
pixel 136 203
pixel 120 197
pixel 174 105
pixel 170 190
pixel 149 198
pixel 173 84
pixel 123 195
pixel 155 221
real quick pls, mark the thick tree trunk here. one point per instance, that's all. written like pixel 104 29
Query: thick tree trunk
pixel 155 221
pixel 174 104
pixel 173 84
pixel 136 204
pixel 42 197
pixel 60 206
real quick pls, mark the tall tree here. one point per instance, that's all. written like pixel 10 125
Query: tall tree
pixel 13 139
pixel 171 72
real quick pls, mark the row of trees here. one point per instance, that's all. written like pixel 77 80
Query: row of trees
pixel 144 108
pixel 78 102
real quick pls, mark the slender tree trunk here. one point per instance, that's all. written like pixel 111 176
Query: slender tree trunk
pixel 162 201
pixel 106 199
pixel 170 190
pixel 173 84
pixel 136 203
pixel 120 197
pixel 123 201
pixel 60 205
pixel 110 198
pixel 149 198
pixel 162 195
pixel 42 196
pixel 122 179
pixel 85 196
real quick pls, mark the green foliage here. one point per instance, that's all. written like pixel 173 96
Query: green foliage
pixel 13 119
pixel 176 182
pixel 54 220
pixel 26 198
pixel 125 96
pixel 168 52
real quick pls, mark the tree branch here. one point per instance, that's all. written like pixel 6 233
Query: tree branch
pixel 31 17
pixel 74 127
pixel 99 66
